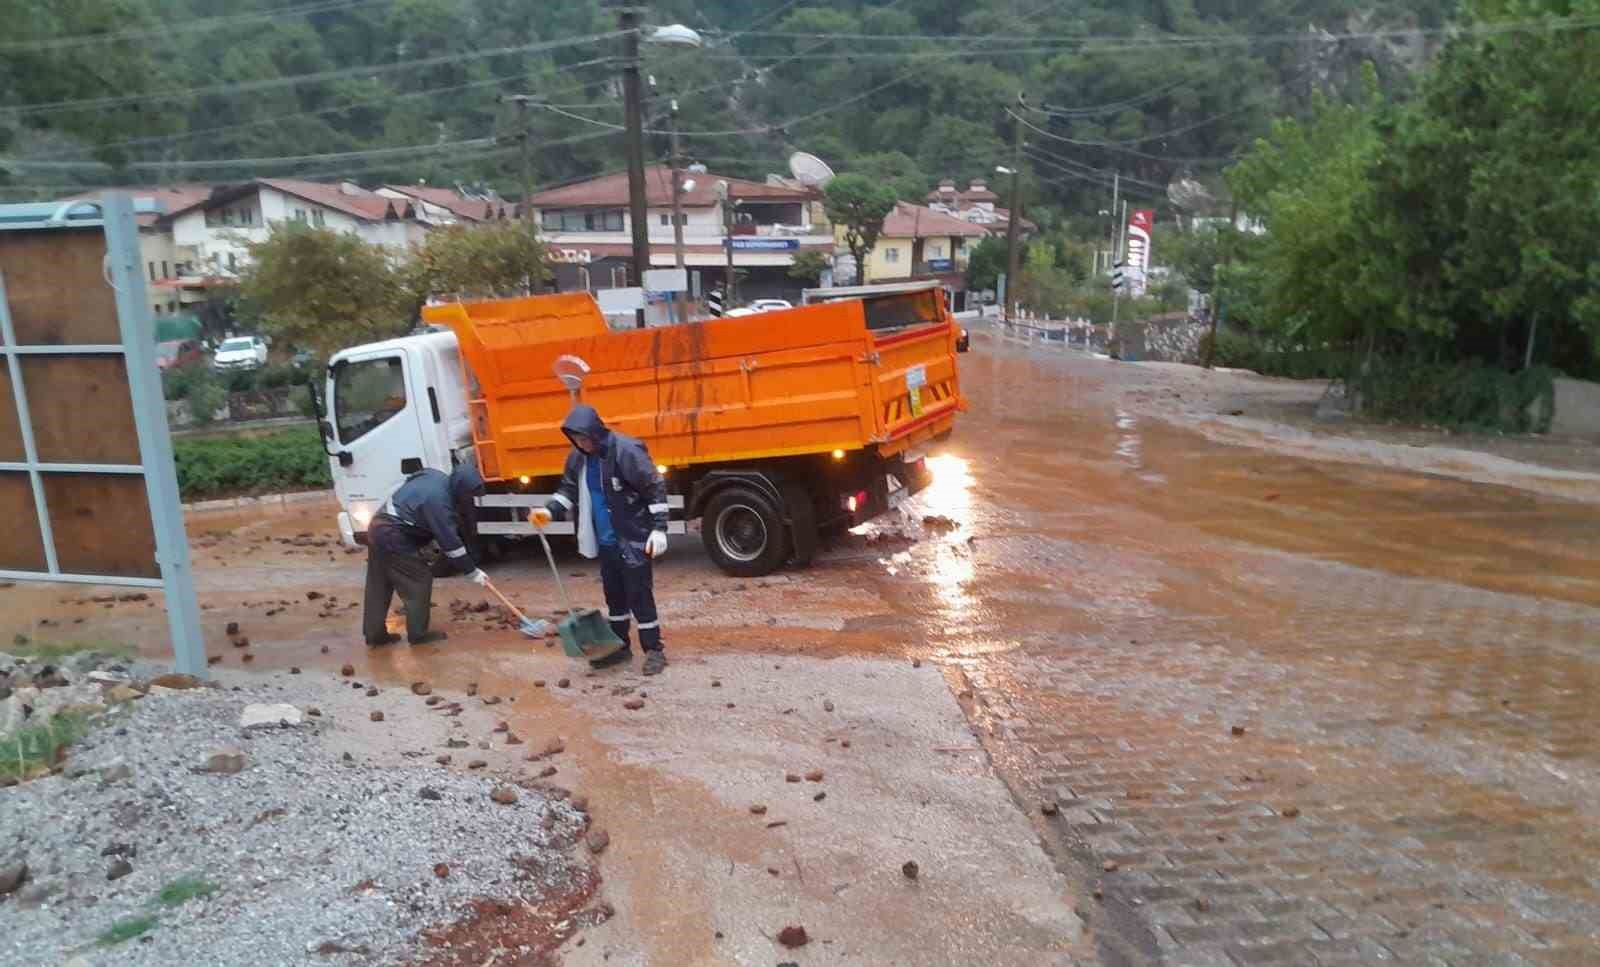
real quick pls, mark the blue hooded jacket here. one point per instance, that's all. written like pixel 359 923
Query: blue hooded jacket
pixel 636 494
pixel 434 506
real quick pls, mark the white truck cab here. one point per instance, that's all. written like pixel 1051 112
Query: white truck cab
pixel 393 408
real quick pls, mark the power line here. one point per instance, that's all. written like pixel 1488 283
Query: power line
pixel 296 80
pixel 196 25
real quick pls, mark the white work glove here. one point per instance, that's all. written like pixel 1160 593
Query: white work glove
pixel 656 545
pixel 478 577
pixel 540 517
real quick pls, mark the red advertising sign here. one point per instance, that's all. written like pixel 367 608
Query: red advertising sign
pixel 1141 221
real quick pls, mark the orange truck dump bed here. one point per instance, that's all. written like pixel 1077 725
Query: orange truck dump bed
pixel 876 375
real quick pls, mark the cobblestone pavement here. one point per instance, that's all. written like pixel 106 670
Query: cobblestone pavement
pixel 1288 713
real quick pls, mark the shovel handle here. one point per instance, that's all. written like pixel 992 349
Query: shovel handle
pixel 555 572
pixel 506 601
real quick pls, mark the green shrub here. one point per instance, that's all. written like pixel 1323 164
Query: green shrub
pixel 276 377
pixel 233 466
pixel 205 399
pixel 300 399
pixel 184 889
pixel 178 382
pixel 1458 396
pixel 241 380
pixel 39 745
pixel 127 929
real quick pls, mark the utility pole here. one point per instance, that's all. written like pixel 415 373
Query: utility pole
pixel 682 300
pixel 628 22
pixel 1014 223
pixel 727 227
pixel 1118 234
pixel 523 101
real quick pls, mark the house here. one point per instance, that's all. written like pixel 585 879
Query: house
pixel 211 234
pixel 977 204
pixel 450 206
pixel 589 232
pixel 920 243
pixel 157 251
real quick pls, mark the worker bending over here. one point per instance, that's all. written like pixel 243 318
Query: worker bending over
pixel 427 509
pixel 621 506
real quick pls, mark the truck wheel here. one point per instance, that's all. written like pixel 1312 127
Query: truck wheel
pixel 744 533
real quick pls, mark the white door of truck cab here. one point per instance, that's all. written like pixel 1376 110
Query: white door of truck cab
pixel 378 434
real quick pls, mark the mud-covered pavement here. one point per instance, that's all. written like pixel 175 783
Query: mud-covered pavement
pixel 1278 709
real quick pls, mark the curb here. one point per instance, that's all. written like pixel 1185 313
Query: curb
pixel 229 503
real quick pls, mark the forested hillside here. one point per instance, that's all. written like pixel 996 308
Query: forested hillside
pixel 97 92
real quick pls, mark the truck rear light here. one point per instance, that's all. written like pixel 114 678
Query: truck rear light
pixel 856 501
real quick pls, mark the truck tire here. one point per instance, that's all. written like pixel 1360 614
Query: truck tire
pixel 744 533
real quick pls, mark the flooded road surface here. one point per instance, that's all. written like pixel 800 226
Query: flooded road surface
pixel 1281 710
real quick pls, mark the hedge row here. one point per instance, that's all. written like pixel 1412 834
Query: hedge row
pixel 238 466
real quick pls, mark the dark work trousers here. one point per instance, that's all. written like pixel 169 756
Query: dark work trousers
pixel 393 567
pixel 630 595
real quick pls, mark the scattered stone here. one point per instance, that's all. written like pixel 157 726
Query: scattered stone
pixel 827 706
pixel 819 797
pixel 555 747
pixel 1110 866
pixel 232 629
pixel 1049 808
pixel 247 658
pixel 758 809
pixel 176 681
pixel 1290 812
pixel 791 777
pixel 815 775
pixel 421 688
pixel 314 595
pixel 1238 730
pixel 12 876
pixel 513 739
pixel 538 683
pixel 844 743
pixel 598 840
pixel 793 936
pixel 455 743
pixel 123 693
pixel 910 870
pixel 477 764
pixel 564 683
pixel 504 795
pixel 213 659
pixel 547 772
pixel 268 716
pixel 501 727
pixel 716 683
pixel 372 692
pixel 294 669
pixel 633 704
pixel 224 760
pixel 492 700
pixel 472 689
pixel 314 712
pixel 325 650
pixel 443 760
pixel 916 663
pixel 116 772
pixel 441 870
pixel 433 700
pixel 119 869
pixel 240 641
pixel 376 716
pixel 1099 894
pixel 1202 904
pixel 347 670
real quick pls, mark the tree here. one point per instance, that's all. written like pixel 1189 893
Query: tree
pixel 809 266
pixel 324 290
pixel 476 262
pixel 986 263
pixel 858 205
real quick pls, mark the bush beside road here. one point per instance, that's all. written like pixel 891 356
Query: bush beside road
pixel 239 466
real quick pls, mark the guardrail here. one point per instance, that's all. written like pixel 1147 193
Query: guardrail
pixel 1079 336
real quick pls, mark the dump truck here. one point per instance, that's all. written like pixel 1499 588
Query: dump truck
pixel 772 430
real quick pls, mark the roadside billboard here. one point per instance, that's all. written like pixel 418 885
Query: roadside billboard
pixel 1141 222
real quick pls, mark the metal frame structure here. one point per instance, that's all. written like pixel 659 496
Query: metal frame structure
pixel 116 215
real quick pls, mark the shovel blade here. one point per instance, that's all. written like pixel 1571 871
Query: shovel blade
pixel 588 635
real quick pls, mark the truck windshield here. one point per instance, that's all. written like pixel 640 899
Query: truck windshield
pixel 367 394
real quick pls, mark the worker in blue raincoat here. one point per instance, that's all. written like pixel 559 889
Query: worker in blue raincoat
pixel 619 503
pixel 431 507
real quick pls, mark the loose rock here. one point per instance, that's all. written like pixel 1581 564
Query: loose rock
pixel 564 683
pixel 791 777
pixel 376 716
pixel 504 795
pixel 827 706
pixel 758 809
pixel 555 747
pixel 347 670
pixel 1049 808
pixel 598 840
pixel 119 869
pixel 910 870
pixel 224 760
pixel 793 936
pixel 12 876
pixel 421 688
pixel 441 870
pixel 633 704
pixel 269 716
pixel 815 775
pixel 429 793
pixel 181 682
pixel 1238 730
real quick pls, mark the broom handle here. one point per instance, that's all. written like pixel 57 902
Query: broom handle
pixel 505 601
pixel 556 573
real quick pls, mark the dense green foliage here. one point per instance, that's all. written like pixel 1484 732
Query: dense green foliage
pixel 232 466
pixel 858 205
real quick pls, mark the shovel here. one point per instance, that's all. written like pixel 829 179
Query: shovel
pixel 526 625
pixel 584 633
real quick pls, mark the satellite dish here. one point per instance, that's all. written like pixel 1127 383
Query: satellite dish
pixel 1189 194
pixel 810 170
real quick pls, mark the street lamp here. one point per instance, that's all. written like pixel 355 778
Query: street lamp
pixel 676 35
pixel 1012 228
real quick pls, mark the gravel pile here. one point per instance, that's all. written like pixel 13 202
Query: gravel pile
pixel 315 855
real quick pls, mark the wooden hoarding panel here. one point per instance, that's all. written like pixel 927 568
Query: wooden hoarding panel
pixel 101 524
pixel 11 448
pixel 81 409
pixel 57 289
pixel 22 548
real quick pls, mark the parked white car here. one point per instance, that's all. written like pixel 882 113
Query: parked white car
pixel 771 305
pixel 240 352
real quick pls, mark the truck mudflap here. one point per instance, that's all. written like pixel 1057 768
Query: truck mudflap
pixel 520 503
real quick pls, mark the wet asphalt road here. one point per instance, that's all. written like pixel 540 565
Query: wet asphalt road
pixel 1286 711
